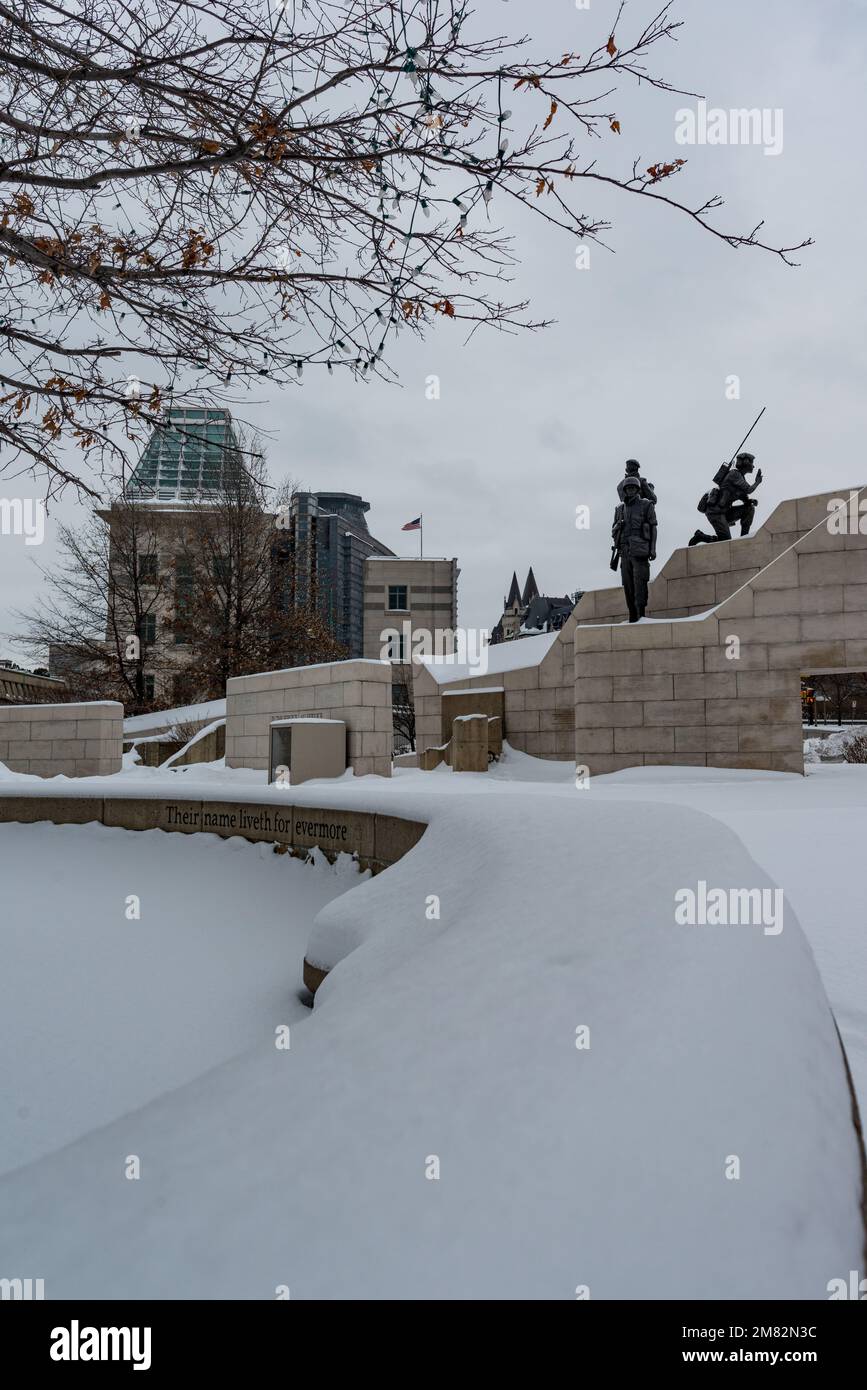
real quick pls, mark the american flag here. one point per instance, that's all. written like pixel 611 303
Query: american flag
pixel 412 525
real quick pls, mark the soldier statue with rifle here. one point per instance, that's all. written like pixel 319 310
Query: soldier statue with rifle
pixel 731 500
pixel 634 544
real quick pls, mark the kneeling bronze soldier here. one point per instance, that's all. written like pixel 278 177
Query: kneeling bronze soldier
pixel 634 536
pixel 730 501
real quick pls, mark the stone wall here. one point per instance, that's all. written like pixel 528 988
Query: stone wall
pixel 75 740
pixel 376 840
pixel 153 752
pixel 723 689
pixel 26 688
pixel 538 698
pixel 357 691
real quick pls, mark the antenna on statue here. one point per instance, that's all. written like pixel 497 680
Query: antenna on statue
pixel 747 435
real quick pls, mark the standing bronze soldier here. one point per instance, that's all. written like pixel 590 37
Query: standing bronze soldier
pixel 634 537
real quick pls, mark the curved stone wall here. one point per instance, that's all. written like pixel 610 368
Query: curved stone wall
pixel 376 840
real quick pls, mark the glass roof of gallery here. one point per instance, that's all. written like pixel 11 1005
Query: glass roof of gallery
pixel 195 452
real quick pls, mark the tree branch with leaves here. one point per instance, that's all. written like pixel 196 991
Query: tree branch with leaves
pixel 198 199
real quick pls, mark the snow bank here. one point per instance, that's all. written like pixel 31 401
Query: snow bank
pixel 447 1039
pixel 830 747
pixel 103 1013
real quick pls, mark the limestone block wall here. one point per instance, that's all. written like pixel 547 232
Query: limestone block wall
pixel 723 690
pixel 538 698
pixel 357 691
pixel 75 740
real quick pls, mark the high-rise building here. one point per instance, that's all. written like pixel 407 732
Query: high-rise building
pixel 321 547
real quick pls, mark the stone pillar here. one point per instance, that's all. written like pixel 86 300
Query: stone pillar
pixel 470 743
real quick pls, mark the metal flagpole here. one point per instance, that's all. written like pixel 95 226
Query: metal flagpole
pixel 421 536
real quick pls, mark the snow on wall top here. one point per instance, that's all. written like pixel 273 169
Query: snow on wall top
pixel 516 655
pixel 183 714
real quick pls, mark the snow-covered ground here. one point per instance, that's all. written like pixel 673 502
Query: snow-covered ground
pixel 104 1011
pixel 444 1042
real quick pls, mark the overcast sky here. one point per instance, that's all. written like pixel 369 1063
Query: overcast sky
pixel 529 427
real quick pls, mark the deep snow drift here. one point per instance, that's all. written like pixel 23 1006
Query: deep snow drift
pixel 103 1012
pixel 451 1040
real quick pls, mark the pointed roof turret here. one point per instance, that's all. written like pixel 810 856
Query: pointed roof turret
pixel 530 589
pixel 514 596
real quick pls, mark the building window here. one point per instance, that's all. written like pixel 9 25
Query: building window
pixel 399 694
pixel 147 628
pixel 148 687
pixel 222 569
pixel 397 598
pixel 396 646
pixel 147 569
pixel 183 600
pixel 182 689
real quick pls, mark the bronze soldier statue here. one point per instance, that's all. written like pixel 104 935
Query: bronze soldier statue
pixel 634 537
pixel 730 501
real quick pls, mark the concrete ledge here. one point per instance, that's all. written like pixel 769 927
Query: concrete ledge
pixel 394 837
pixel 61 810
